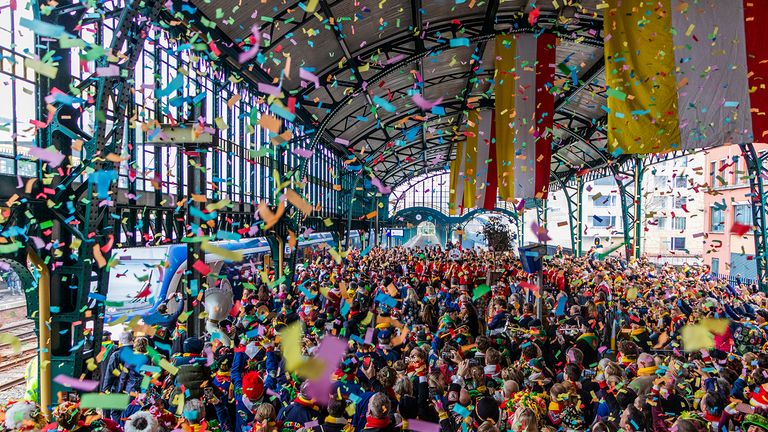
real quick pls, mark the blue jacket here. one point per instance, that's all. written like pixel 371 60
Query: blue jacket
pixel 296 415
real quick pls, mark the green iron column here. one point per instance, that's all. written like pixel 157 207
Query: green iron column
pixel 572 190
pixel 639 171
pixel 756 167
pixel 630 184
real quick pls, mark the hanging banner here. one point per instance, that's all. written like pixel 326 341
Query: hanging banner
pixel 525 65
pixel 695 75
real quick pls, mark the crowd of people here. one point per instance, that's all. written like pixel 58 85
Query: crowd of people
pixel 434 343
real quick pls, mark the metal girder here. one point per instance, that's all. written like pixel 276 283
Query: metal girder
pixel 584 80
pixel 471 27
pixel 353 63
pixel 757 167
pixel 488 25
pixel 253 74
pixel 445 45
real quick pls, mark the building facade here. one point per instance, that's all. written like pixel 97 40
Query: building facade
pixel 672 214
pixel 727 202
pixel 673 210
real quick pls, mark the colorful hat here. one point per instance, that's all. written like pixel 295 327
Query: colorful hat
pixel 755 420
pixel 253 386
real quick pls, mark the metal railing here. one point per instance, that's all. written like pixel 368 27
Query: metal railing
pixel 734 280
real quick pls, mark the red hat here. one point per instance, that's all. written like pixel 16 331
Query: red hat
pixel 253 386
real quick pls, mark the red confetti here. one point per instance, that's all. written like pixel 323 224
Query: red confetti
pixel 201 267
pixel 740 229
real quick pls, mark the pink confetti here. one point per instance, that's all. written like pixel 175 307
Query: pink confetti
pixel 309 76
pixel 341 141
pixel 395 59
pixel 54 158
pixel 422 426
pixel 425 104
pixel 111 70
pixel 302 152
pixel 68 381
pixel 331 351
pixel 540 232
pixel 248 55
pixel 520 206
pixel 380 186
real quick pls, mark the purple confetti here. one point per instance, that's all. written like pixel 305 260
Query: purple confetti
pixel 331 351
pixel 54 158
pixel 309 76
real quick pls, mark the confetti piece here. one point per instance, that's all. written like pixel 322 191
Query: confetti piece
pixel 270 123
pixel 45 69
pixel 175 84
pixel 696 337
pixel 331 351
pixel 309 76
pixel 290 345
pixel 740 229
pixel 632 293
pixel 561 302
pixel 54 158
pixel 716 326
pixel 299 202
pixel 13 341
pixel 480 291
pixel 459 42
pixel 422 426
pixel 116 401
pixel 109 71
pixel 424 104
pixel 383 104
pixel 378 185
pixel 618 94
pixel 42 28
pixel 540 232
pixel 201 267
pixel 303 153
pixel 84 385
pixel 234 256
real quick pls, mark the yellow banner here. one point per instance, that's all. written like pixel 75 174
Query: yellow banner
pixel 505 114
pixel 640 77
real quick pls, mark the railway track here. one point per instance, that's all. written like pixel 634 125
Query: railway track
pixel 13 363
pixel 11 384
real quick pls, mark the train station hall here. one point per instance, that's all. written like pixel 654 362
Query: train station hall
pixel 383 216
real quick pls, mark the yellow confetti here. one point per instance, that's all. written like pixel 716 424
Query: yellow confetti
pixel 44 69
pixel 227 254
pixel 696 337
pixel 165 364
pixel 716 326
pixel 290 345
pixel 13 341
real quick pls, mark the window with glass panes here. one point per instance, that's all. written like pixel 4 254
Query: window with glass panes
pixel 235 170
pixel 742 214
pixel 717 219
pixel 678 223
pixel 677 243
